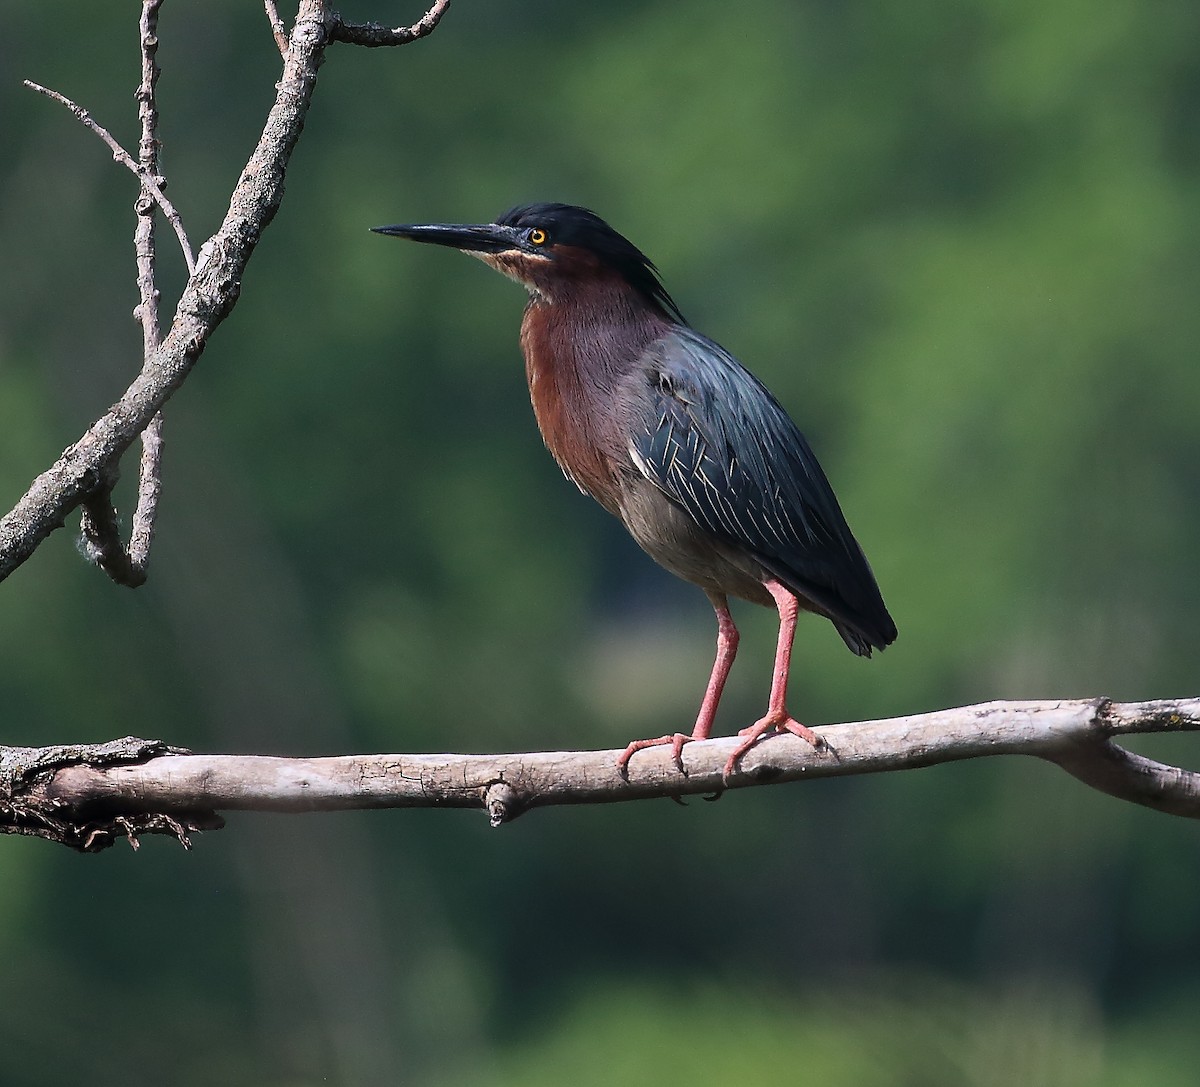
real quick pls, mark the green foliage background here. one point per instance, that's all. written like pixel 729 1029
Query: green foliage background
pixel 961 241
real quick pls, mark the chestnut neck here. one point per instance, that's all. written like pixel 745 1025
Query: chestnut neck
pixel 579 344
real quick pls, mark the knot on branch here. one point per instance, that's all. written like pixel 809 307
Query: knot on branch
pixel 502 803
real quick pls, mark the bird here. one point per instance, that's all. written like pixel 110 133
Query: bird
pixel 675 437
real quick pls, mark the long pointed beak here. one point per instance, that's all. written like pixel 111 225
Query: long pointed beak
pixel 483 238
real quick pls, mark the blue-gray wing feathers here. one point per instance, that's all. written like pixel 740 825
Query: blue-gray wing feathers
pixel 715 441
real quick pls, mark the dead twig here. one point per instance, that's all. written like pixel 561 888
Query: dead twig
pixel 151 184
pixel 374 35
pixel 99 528
pixel 277 27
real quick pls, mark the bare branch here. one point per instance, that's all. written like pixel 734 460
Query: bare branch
pixel 211 292
pixel 209 296
pixel 1105 766
pixel 26 769
pixel 99 529
pixel 145 516
pixel 148 167
pixel 100 537
pixel 277 27
pixel 1075 734
pixel 122 156
pixel 86 468
pixel 373 35
pixel 100 532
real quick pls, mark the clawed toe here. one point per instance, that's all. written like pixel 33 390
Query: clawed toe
pixel 675 739
pixel 771 723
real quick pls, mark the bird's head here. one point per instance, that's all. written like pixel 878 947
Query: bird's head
pixel 551 249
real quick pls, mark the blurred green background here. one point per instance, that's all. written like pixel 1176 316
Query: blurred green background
pixel 961 241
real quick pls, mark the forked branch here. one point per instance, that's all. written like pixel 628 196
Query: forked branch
pixel 150 182
pixel 88 469
pixel 65 795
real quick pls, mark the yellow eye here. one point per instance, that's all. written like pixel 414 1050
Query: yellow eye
pixel 537 236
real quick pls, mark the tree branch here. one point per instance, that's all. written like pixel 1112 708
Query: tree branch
pixel 29 768
pixel 373 35
pixel 149 182
pixel 150 465
pixel 90 796
pixel 277 27
pixel 89 467
pixel 98 524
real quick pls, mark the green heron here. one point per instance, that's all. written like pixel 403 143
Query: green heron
pixel 670 433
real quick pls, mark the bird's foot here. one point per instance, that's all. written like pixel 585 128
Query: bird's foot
pixel 773 722
pixel 675 739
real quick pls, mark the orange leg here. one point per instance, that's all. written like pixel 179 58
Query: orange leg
pixel 777 717
pixel 727 644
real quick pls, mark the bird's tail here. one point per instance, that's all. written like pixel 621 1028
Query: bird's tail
pixel 862 639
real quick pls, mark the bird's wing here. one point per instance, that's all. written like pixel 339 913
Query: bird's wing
pixel 715 441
